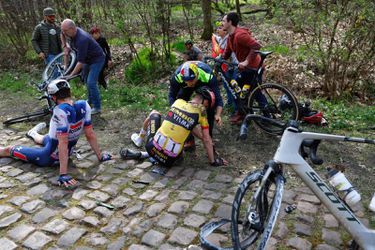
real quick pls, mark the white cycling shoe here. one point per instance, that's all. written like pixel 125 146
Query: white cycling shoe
pixel 137 140
pixel 36 129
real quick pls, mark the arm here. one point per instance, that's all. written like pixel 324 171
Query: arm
pixel 35 42
pixel 219 100
pixel 207 142
pixel 77 69
pixel 174 88
pixel 63 152
pixel 91 138
pixel 247 41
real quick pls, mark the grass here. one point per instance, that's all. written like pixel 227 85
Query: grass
pixel 277 49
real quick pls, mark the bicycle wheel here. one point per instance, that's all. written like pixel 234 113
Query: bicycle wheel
pixel 27 117
pixel 277 102
pixel 55 67
pixel 254 219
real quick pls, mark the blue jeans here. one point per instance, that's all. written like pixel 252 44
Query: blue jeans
pixel 93 71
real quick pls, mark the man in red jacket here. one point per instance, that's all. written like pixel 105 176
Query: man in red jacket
pixel 244 46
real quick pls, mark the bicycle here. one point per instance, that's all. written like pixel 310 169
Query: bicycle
pixel 258 199
pixel 42 87
pixel 56 67
pixel 281 103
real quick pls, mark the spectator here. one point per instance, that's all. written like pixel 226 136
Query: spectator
pixel 219 42
pixel 96 34
pixel 45 38
pixel 244 46
pixel 192 53
pixel 90 57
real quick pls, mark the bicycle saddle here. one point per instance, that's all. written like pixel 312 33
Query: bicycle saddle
pixel 263 54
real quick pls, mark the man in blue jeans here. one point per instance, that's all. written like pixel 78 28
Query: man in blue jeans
pixel 90 57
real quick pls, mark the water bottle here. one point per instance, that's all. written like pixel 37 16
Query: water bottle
pixel 372 204
pixel 340 182
pixel 235 86
pixel 245 90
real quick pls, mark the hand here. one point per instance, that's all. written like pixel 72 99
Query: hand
pixel 219 162
pixel 105 157
pixel 66 181
pixel 42 56
pixel 110 64
pixel 243 65
pixel 66 50
pixel 218 120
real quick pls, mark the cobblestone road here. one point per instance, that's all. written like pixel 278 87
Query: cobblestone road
pixel 151 211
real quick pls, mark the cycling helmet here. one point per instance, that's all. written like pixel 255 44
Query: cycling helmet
pixel 56 85
pixel 188 42
pixel 285 102
pixel 314 117
pixel 207 94
pixel 189 71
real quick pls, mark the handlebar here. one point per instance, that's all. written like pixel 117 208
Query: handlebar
pixel 246 122
pixel 313 146
pixel 219 60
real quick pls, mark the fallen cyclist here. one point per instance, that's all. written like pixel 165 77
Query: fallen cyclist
pixel 165 141
pixel 69 119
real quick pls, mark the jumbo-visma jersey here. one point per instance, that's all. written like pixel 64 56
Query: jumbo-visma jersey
pixel 181 119
pixel 69 119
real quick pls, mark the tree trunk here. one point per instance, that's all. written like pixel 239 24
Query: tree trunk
pixel 207 30
pixel 238 9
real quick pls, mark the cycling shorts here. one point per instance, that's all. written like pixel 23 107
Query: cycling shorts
pixel 40 156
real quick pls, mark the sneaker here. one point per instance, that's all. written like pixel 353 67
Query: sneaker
pixel 95 111
pixel 137 140
pixel 36 129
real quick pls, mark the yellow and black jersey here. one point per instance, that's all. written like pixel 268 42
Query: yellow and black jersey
pixel 179 122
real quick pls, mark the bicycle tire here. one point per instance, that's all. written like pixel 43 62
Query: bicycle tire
pixel 243 235
pixel 27 117
pixel 273 92
pixel 57 63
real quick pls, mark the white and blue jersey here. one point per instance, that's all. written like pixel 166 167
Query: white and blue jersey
pixel 66 119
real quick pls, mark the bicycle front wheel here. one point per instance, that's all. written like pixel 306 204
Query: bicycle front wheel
pixel 27 117
pixel 254 218
pixel 273 101
pixel 55 68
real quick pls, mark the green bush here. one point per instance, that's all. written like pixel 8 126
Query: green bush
pixel 179 46
pixel 142 70
pixel 277 49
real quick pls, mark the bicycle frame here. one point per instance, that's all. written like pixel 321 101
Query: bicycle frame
pixel 288 153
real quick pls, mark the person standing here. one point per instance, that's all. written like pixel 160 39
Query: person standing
pixel 96 34
pixel 244 46
pixel 46 37
pixel 90 59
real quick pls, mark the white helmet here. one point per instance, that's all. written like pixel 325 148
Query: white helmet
pixel 56 85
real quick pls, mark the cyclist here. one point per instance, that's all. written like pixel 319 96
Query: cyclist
pixel 244 46
pixel 69 119
pixel 165 142
pixel 189 77
pixel 192 52
pixel 46 37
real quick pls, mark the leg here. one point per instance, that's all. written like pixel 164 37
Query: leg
pixel 40 156
pixel 92 85
pixel 34 133
pixel 150 125
pixel 5 151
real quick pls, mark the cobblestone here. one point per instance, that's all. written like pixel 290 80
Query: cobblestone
pixel 151 211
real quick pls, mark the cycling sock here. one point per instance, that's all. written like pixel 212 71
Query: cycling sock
pixel 142 133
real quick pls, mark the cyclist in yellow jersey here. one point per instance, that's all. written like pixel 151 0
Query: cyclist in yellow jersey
pixel 165 142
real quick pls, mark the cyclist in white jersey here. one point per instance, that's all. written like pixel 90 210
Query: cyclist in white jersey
pixel 68 121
